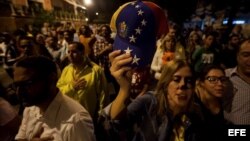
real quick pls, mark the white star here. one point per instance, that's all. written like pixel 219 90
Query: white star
pixel 132 39
pixel 138 30
pixel 140 12
pixel 128 51
pixel 137 6
pixel 135 60
pixel 143 22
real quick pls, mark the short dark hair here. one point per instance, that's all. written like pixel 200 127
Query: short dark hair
pixel 233 35
pixel 207 69
pixel 241 43
pixel 107 27
pixel 42 66
pixel 79 46
pixel 87 32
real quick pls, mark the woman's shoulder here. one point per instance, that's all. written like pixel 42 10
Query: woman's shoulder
pixel 146 102
pixel 148 97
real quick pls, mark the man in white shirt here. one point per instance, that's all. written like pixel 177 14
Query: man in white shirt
pixel 237 106
pixel 48 115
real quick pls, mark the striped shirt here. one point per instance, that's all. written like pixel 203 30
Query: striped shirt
pixel 239 112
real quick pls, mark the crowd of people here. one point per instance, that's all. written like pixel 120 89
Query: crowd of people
pixel 93 83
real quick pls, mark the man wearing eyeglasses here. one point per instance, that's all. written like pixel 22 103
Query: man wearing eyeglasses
pixel 49 115
pixel 239 111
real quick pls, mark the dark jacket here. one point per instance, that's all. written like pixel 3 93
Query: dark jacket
pixel 194 129
pixel 142 124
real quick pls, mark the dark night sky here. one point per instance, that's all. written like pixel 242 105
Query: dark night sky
pixel 173 6
pixel 178 10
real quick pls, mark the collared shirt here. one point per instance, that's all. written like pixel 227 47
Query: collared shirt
pixel 239 112
pixel 64 119
pixel 64 50
pixel 94 95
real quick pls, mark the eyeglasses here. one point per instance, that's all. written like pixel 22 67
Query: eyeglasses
pixel 215 79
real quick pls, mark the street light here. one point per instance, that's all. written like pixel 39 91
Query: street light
pixel 96 13
pixel 88 2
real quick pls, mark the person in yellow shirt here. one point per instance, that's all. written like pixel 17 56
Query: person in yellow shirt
pixel 84 81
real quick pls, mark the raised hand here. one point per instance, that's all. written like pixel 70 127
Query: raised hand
pixel 119 68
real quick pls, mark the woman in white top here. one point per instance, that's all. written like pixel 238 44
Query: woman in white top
pixel 163 54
